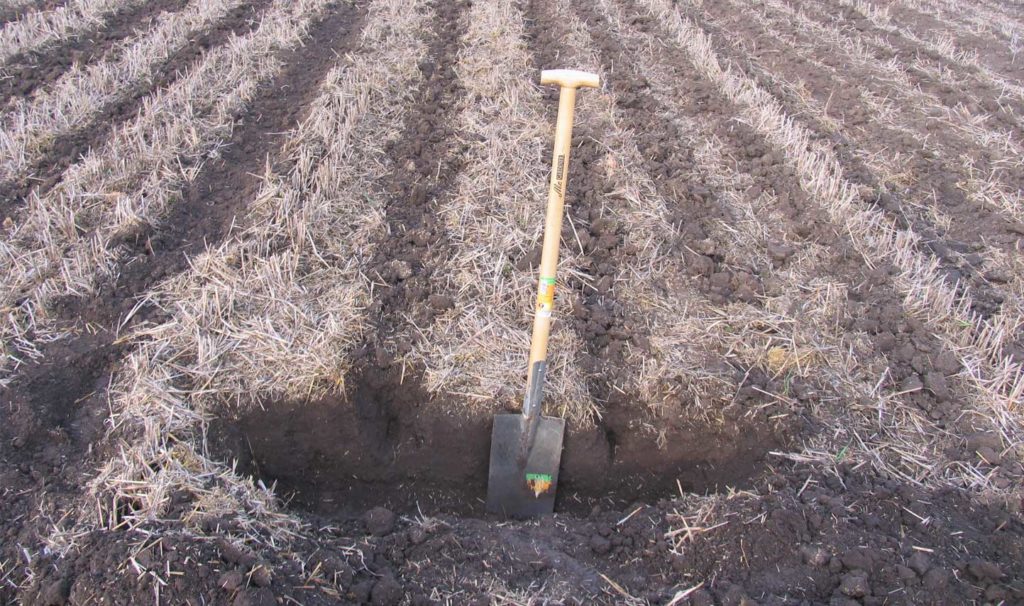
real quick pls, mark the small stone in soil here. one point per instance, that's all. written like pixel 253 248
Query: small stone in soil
pixel 386 592
pixel 230 580
pixel 379 521
pixel 261 575
pixel 854 585
pixel 815 555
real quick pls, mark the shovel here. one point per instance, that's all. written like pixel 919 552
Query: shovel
pixel 526 448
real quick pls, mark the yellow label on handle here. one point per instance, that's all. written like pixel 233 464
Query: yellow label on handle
pixel 545 296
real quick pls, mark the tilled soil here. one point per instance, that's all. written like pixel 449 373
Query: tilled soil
pixel 843 538
pixel 23 73
pixel 388 481
pixel 875 308
pixel 60 153
pixel 13 13
pixel 933 177
pixel 388 437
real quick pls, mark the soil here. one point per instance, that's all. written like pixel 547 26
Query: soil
pixel 961 256
pixel 60 153
pixel 388 481
pixel 875 308
pixel 8 14
pixel 844 538
pixel 24 73
pixel 70 381
pixel 385 437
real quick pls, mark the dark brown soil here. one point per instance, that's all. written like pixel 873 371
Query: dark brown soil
pixel 53 413
pixel 22 74
pixel 386 441
pixel 994 49
pixel 60 153
pixel 389 482
pixel 8 14
pixel 71 368
pixel 933 178
pixel 976 93
pixel 875 309
pixel 424 163
pixel 803 538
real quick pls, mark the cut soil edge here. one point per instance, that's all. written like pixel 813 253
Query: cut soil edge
pixel 387 443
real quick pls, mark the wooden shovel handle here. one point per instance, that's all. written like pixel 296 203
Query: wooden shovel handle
pixel 569 80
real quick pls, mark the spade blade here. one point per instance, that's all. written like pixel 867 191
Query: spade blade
pixel 521 491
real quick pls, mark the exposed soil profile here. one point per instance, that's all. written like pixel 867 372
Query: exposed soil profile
pixel 385 443
pixel 883 466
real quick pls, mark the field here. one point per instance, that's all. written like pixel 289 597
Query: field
pixel 268 269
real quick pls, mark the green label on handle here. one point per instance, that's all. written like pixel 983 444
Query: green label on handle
pixel 539 483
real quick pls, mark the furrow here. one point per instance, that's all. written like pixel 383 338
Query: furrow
pixel 796 360
pixel 911 119
pixel 990 118
pixel 597 224
pixel 425 163
pixel 915 183
pixel 996 380
pixel 278 310
pixel 42 135
pixel 13 10
pixel 209 206
pixel 476 351
pixel 38 48
pixel 70 240
pixel 687 381
pixel 976 39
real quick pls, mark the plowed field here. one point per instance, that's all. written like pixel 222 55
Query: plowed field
pixel 268 267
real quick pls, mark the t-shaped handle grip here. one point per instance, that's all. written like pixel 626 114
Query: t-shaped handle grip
pixel 570 78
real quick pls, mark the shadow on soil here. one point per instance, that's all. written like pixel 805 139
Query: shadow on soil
pixel 386 443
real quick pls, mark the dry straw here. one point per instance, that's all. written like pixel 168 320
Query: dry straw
pixel 65 241
pixel 274 312
pixel 36 30
pixel 791 334
pixel 901 98
pixel 690 367
pixel 987 190
pixel 997 381
pixel 33 123
pixel 478 350
pixel 945 44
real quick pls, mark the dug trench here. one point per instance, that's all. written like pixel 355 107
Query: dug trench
pixel 384 440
